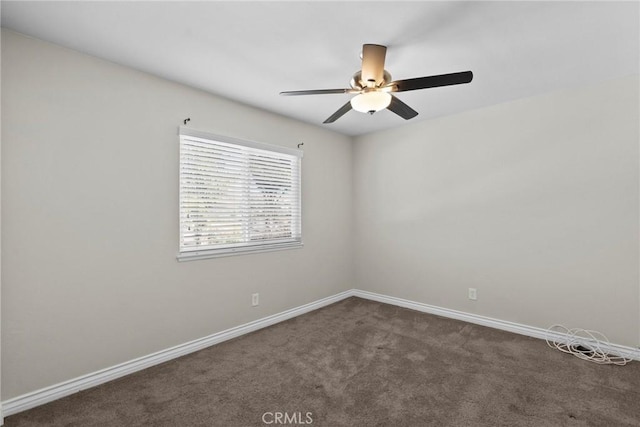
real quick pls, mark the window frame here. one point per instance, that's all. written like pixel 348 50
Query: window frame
pixel 243 247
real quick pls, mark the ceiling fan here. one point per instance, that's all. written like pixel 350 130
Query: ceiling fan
pixel 374 86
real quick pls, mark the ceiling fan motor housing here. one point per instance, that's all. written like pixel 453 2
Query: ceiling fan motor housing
pixel 358 84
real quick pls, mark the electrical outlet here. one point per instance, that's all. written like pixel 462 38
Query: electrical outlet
pixel 473 294
pixel 255 299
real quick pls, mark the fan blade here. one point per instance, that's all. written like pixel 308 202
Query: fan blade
pixel 373 63
pixel 317 92
pixel 401 109
pixel 431 81
pixel 341 112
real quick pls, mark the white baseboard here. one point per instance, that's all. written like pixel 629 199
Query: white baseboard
pixel 518 328
pixel 57 391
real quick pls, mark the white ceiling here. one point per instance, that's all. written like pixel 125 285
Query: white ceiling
pixel 250 51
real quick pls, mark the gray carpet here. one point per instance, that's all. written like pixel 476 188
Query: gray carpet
pixel 362 363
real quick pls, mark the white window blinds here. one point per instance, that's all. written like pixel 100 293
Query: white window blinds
pixel 237 196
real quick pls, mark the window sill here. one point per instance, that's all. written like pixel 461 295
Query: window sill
pixel 219 253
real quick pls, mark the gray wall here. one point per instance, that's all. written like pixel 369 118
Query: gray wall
pixel 90 217
pixel 533 202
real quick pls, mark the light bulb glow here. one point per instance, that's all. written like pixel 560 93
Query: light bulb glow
pixel 371 101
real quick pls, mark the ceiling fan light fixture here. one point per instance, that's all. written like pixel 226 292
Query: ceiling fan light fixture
pixel 370 102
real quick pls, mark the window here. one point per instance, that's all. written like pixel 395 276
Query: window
pixel 237 196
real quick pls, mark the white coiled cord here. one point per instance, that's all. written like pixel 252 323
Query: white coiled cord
pixel 584 344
